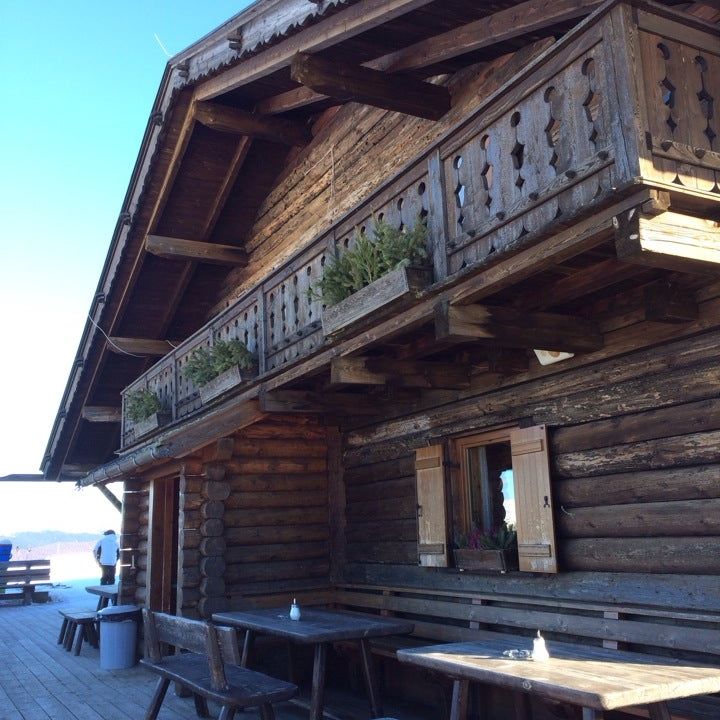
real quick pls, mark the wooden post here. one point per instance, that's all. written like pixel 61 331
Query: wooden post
pixel 437 216
pixel 336 504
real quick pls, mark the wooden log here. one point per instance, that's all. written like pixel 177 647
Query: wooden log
pixel 383 552
pixel 190 501
pixel 251 572
pixel 695 448
pixel 207 606
pixel 279 448
pixel 680 483
pixel 264 127
pixel 652 555
pixel 212 586
pixel 189 538
pixel 670 241
pixel 669 303
pixel 139 346
pixel 100 414
pixel 190 577
pixel 272 534
pixel 212 528
pixel 390 508
pixel 215 471
pixel 277 483
pixel 399 373
pixel 679 518
pixel 305 401
pixel 349 83
pixel 511 328
pixel 212 510
pixel 255 466
pixel 178 249
pixel 386 489
pixel 369 472
pixel 278 553
pixel 404 530
pixel 276 516
pixel 247 500
pixel 211 546
pixel 649 425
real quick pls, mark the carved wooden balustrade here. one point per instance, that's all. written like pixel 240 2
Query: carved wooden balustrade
pixel 626 99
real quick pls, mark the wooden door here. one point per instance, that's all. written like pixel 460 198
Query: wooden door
pixel 163 545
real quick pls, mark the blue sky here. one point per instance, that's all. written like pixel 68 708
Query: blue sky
pixel 79 80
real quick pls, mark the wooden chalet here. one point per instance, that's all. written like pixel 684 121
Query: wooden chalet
pixel 565 158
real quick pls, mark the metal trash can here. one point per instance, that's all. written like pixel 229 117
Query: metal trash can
pixel 118 636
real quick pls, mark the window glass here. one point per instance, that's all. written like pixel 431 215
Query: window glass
pixel 491 493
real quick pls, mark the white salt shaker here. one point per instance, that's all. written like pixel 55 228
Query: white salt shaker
pixel 540 651
pixel 294 610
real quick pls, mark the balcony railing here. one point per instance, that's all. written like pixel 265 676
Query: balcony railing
pixel 624 100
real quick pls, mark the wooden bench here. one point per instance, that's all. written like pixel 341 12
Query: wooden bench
pixel 78 625
pixel 445 616
pixel 20 578
pixel 210 670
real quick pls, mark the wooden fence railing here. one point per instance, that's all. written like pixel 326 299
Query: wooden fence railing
pixel 626 99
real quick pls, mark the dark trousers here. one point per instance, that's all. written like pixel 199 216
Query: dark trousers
pixel 108 575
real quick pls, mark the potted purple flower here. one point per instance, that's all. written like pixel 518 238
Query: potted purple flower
pixel 496 550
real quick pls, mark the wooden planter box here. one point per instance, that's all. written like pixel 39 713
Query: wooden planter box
pixel 225 381
pixel 155 421
pixel 502 560
pixel 377 299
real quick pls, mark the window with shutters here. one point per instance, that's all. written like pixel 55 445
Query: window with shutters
pixel 500 478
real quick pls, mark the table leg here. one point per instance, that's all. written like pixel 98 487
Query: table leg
pixel 201 706
pixel 523 710
pixel 370 679
pixel 659 711
pixel 317 697
pixel 247 648
pixel 592 714
pixel 157 699
pixel 267 712
pixel 459 708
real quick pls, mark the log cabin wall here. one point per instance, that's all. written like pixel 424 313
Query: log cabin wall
pixel 635 460
pixel 254 516
pixel 132 533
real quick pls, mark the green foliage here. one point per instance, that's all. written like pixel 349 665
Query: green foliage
pixel 141 404
pixel 205 364
pixel 504 538
pixel 370 259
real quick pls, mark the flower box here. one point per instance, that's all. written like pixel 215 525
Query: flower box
pixel 377 298
pixel 502 560
pixel 150 423
pixel 225 381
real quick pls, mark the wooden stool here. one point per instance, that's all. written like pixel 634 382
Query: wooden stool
pixel 76 627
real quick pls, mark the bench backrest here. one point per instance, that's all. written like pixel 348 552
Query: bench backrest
pixel 219 644
pixel 15 573
pixel 456 616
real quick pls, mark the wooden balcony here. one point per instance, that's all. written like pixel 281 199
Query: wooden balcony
pixel 624 101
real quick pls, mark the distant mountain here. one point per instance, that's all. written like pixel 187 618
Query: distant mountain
pixel 48 537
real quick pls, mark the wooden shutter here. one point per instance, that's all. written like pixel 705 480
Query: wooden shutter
pixel 432 525
pixel 533 502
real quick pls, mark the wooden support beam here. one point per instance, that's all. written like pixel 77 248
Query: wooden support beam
pixel 372 87
pixel 512 328
pixel 668 303
pixel 100 414
pixel 669 240
pixel 178 249
pixel 139 346
pixel 399 373
pixel 111 497
pixel 522 19
pixel 265 127
pixel 306 401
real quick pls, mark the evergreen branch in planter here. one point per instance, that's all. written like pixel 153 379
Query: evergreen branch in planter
pixel 389 249
pixel 504 538
pixel 141 404
pixel 205 364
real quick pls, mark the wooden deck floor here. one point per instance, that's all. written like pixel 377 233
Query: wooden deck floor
pixel 41 681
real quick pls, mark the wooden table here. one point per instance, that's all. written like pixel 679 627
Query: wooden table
pixel 594 678
pixel 108 594
pixel 318 628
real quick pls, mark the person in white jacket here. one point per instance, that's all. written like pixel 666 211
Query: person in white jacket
pixel 107 553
